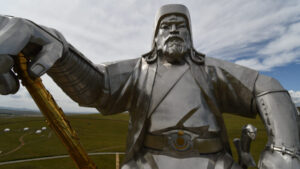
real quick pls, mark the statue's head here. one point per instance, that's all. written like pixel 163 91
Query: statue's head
pixel 173 35
pixel 173 32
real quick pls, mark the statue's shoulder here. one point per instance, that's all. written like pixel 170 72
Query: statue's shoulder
pixel 121 65
pixel 230 67
pixel 245 75
pixel 118 72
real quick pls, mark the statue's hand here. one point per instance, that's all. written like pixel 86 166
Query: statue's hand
pixel 20 35
pixel 276 160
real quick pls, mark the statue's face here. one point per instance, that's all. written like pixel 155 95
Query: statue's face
pixel 173 38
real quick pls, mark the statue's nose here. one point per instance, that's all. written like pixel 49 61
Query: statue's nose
pixel 174 29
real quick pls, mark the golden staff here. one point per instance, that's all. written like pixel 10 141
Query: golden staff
pixel 54 115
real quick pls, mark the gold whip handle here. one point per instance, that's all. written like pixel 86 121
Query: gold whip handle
pixel 55 116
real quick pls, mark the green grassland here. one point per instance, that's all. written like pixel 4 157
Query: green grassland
pixel 97 133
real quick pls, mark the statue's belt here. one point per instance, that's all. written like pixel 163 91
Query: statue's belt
pixel 183 142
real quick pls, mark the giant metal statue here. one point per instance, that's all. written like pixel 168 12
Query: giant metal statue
pixel 174 94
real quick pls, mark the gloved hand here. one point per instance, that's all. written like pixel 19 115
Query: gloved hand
pixel 44 46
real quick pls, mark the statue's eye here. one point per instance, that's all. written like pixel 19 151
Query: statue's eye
pixel 164 26
pixel 182 25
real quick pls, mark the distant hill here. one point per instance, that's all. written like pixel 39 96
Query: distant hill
pixel 7 111
pixel 12 112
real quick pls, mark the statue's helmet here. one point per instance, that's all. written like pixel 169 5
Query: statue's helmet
pixel 171 9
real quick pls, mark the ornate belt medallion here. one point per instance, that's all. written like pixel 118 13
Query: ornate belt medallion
pixel 180 141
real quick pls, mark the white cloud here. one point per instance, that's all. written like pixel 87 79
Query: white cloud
pixel 254 63
pixel 288 41
pixel 236 25
pixel 258 34
pixel 22 99
pixel 295 97
pixel 267 63
pixel 283 50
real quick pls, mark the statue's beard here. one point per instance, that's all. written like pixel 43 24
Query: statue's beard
pixel 174 50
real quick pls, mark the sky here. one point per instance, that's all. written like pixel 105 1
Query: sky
pixel 262 35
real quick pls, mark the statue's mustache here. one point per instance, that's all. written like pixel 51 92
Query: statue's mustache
pixel 174 38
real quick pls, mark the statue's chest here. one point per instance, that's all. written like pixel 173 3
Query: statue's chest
pixel 182 106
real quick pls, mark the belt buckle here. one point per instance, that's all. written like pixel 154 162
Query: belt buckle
pixel 180 141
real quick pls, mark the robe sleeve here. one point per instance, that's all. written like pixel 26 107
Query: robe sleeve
pixel 233 86
pixel 105 87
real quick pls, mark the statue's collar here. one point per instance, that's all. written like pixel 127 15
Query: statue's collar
pixel 196 57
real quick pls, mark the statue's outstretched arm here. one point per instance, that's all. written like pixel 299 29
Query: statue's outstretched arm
pixel 79 78
pixel 280 117
pixel 49 52
pixel 93 85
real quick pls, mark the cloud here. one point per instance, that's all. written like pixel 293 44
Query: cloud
pixel 22 99
pixel 113 30
pixel 288 41
pixel 281 51
pixel 272 61
pixel 295 97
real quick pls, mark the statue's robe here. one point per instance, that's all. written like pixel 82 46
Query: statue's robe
pixel 226 87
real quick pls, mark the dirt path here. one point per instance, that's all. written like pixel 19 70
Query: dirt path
pixel 22 143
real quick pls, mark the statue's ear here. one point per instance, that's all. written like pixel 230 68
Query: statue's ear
pixel 157 44
pixel 155 41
